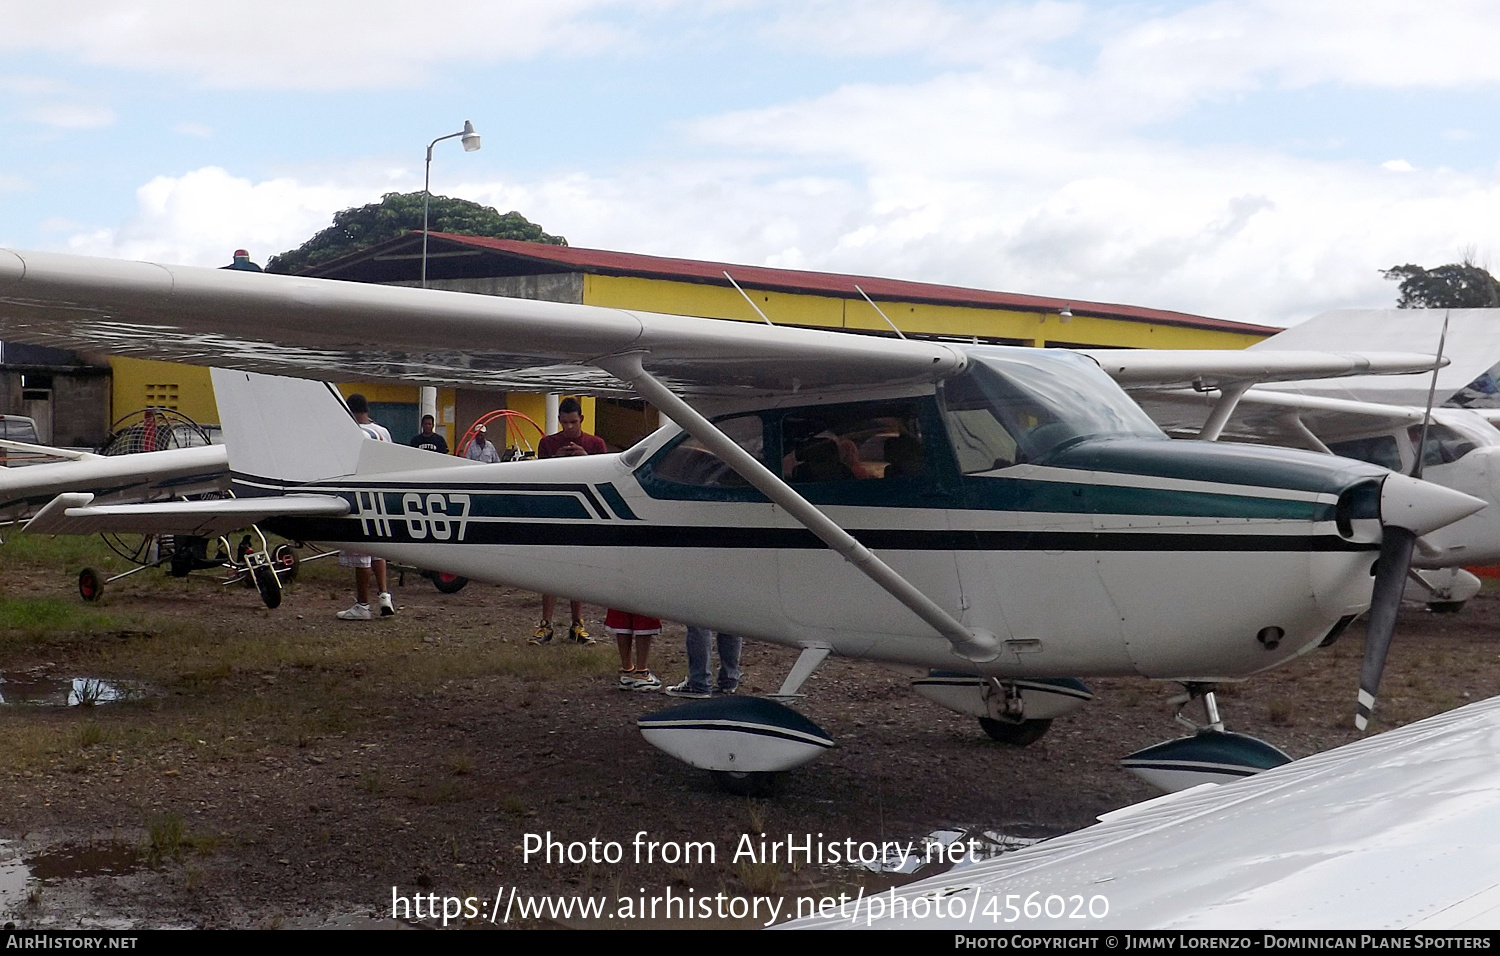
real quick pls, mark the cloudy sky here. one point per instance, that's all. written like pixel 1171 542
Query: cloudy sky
pixel 1258 160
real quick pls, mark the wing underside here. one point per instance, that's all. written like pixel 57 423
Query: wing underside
pixel 340 331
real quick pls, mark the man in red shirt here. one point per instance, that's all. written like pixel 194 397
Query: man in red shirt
pixel 570 440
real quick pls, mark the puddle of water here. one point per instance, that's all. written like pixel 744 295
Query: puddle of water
pixel 40 691
pixel 75 860
pixel 13 876
pixel 21 874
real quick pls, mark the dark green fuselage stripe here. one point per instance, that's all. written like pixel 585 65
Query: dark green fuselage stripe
pixel 599 534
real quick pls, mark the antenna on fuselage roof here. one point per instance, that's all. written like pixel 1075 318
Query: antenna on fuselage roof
pixel 747 298
pixel 882 314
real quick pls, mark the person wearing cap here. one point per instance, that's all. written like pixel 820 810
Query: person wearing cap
pixel 242 262
pixel 481 449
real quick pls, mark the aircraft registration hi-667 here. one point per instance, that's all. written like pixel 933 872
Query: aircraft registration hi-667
pixel 1003 520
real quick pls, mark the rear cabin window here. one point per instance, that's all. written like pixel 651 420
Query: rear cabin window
pixel 689 463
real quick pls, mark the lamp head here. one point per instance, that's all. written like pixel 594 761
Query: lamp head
pixel 470 138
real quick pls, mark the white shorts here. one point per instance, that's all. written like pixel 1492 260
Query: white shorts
pixel 353 559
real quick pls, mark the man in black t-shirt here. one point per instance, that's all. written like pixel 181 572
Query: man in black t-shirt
pixel 430 440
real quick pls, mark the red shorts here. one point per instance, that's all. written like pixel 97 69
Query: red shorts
pixel 623 622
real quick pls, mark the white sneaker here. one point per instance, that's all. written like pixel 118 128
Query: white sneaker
pixel 386 607
pixel 359 612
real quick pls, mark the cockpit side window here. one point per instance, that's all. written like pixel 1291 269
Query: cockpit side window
pixel 872 440
pixel 1443 446
pixel 689 463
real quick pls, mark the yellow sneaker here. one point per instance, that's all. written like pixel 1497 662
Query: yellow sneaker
pixel 542 634
pixel 579 634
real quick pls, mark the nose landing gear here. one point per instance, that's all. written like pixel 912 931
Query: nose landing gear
pixel 1210 755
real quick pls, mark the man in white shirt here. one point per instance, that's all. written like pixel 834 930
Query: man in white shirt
pixel 481 449
pixel 363 564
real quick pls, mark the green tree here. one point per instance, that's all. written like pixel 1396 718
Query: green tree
pixel 398 214
pixel 1457 285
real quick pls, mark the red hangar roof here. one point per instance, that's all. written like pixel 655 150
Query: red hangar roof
pixel 522 258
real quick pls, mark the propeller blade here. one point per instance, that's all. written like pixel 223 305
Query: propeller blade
pixel 1419 507
pixel 1390 579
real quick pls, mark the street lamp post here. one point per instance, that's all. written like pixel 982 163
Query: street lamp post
pixel 471 143
pixel 427 394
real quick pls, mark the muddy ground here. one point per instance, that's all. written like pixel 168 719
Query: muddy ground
pixel 283 768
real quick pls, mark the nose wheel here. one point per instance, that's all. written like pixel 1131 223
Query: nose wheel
pixel 1016 734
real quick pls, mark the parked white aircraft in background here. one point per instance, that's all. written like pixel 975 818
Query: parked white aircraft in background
pixel 1398 831
pixel 1379 419
pixel 1031 521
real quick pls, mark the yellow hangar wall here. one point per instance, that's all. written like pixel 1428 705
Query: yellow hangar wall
pixel 830 312
pixel 140 383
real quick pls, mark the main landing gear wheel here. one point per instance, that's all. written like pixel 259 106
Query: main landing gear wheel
pixel 448 583
pixel 265 583
pixel 90 585
pixel 1015 734
pixel 1446 607
pixel 761 784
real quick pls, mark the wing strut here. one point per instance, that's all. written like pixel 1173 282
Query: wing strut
pixel 969 644
pixel 1229 400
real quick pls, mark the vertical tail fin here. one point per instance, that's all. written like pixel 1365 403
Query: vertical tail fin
pixel 285 430
pixel 290 431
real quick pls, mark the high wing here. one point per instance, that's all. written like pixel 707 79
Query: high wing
pixel 1272 417
pixel 1398 831
pixel 1204 369
pixel 1473 346
pixel 342 330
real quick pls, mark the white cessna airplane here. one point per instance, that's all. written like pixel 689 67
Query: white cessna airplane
pixel 1004 515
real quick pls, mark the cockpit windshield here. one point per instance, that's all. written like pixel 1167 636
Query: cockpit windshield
pixel 1013 406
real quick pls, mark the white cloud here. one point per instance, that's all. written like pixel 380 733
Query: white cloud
pixel 292 44
pixel 70 115
pixel 964 32
pixel 1020 171
pixel 30 84
pixel 201 217
pixel 198 130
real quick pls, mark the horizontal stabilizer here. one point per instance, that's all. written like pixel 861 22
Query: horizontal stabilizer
pixel 73 514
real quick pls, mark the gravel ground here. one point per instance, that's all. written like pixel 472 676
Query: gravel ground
pixel 281 768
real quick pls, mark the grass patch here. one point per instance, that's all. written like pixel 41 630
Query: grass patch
pixel 168 838
pixel 29 619
pixel 69 553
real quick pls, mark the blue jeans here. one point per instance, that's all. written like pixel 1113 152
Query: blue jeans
pixel 697 655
